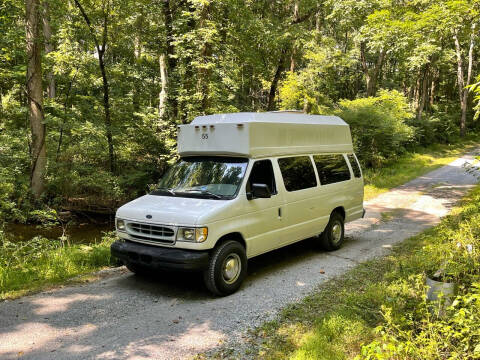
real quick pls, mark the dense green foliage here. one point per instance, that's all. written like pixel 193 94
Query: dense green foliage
pixel 379 126
pixel 167 61
pixel 31 265
pixel 378 310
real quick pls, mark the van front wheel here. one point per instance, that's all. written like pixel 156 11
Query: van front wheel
pixel 227 268
pixel 334 233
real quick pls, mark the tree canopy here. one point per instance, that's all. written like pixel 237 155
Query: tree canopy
pixel 118 76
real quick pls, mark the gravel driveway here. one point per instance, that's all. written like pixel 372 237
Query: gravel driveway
pixel 172 316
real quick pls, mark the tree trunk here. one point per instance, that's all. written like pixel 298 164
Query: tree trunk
pixel 137 52
pixel 423 94
pixel 292 59
pixel 416 91
pixel 47 33
pixel 106 106
pixel 462 85
pixel 35 98
pixel 276 78
pixel 204 69
pixel 164 92
pixel 371 77
pixel 432 88
pixel 101 63
pixel 204 77
pixel 171 98
pixel 65 106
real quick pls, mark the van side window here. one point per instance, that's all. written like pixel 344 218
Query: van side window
pixel 262 173
pixel 355 167
pixel 297 173
pixel 331 168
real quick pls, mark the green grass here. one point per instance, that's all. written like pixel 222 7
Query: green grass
pixel 411 165
pixel 340 317
pixel 41 263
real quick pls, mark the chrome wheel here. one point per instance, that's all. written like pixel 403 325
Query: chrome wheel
pixel 336 232
pixel 232 266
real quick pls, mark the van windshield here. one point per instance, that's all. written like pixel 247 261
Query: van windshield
pixel 212 177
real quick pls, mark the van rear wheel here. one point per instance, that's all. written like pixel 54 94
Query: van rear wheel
pixel 227 268
pixel 334 234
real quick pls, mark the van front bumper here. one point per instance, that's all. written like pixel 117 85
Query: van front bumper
pixel 157 257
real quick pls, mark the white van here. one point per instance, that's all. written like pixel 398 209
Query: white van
pixel 246 184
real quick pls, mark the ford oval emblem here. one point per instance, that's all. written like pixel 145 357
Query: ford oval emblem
pixel 149 216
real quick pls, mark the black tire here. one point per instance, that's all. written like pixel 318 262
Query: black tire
pixel 138 269
pixel 330 239
pixel 216 276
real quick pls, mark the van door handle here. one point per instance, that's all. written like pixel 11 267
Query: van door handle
pixel 279 212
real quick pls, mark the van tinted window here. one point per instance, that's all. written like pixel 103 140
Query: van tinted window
pixel 262 173
pixel 297 173
pixel 331 168
pixel 355 167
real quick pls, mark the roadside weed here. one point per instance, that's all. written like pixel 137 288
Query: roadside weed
pixel 29 266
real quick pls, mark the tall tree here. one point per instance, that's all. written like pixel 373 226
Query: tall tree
pixel 371 75
pixel 35 97
pixel 462 82
pixel 100 46
pixel 162 97
pixel 47 34
pixel 168 94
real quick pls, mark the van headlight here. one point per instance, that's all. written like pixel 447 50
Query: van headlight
pixel 121 225
pixel 192 234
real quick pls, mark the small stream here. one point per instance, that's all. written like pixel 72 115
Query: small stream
pixel 82 233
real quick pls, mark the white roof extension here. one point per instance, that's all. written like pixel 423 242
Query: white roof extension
pixel 264 134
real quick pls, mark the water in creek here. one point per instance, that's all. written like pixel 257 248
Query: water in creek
pixel 82 233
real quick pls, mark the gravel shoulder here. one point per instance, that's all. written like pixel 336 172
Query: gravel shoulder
pixel 172 316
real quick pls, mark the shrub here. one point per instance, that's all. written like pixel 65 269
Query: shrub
pixel 425 335
pixel 439 127
pixel 379 126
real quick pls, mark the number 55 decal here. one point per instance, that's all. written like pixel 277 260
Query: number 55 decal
pixel 204 136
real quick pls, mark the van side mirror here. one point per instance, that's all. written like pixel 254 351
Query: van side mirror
pixel 259 191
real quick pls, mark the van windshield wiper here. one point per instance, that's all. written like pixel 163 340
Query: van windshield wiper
pixel 169 190
pixel 206 192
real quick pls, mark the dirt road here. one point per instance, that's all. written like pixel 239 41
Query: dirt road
pixel 172 316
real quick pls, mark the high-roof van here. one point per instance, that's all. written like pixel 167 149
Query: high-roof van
pixel 245 184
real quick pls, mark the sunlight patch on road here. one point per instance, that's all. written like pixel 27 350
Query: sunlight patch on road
pixel 61 304
pixel 33 336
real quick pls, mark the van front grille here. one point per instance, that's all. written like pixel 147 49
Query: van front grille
pixel 151 233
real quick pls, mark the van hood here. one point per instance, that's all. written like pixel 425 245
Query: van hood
pixel 168 210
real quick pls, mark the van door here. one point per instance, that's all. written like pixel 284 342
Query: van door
pixel 301 198
pixel 262 221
